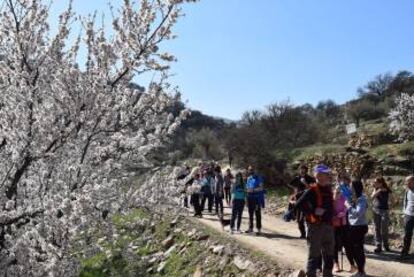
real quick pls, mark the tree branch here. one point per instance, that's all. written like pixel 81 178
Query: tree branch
pixel 125 72
pixel 10 221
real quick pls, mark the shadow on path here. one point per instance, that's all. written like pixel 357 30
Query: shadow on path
pixel 277 236
pixel 390 256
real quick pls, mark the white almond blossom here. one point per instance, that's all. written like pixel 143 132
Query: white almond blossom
pixel 68 130
pixel 402 117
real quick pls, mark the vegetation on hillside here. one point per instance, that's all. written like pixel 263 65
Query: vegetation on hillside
pixel 283 133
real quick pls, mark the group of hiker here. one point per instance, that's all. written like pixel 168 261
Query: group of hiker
pixel 207 184
pixel 331 214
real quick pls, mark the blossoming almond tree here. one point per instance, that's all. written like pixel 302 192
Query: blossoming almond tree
pixel 67 129
pixel 402 117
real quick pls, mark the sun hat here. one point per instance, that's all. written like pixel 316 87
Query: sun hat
pixel 321 168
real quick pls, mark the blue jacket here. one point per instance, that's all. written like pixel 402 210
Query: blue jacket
pixel 357 213
pixel 205 186
pixel 254 182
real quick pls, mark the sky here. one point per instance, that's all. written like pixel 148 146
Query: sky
pixel 238 55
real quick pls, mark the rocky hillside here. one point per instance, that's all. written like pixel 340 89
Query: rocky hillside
pixel 154 237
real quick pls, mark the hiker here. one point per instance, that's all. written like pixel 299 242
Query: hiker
pixel 218 191
pixel 245 175
pixel 186 190
pixel 317 204
pixel 198 169
pixel 381 196
pixel 238 195
pixel 184 175
pixel 196 194
pixel 228 177
pixel 408 210
pixel 299 184
pixel 344 187
pixel 303 180
pixel 254 186
pixel 184 172
pixel 357 209
pixel 230 156
pixel 339 223
pixel 212 182
pixel 206 191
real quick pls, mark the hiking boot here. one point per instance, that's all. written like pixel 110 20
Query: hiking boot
pixel 249 231
pixel 387 248
pixel 378 249
pixel 259 232
pixel 231 231
pixel 239 231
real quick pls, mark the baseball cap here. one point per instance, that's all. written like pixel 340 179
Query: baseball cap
pixel 321 168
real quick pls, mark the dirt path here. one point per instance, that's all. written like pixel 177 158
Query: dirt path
pixel 280 242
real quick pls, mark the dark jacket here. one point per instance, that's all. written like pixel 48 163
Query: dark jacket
pixel 219 185
pixel 381 200
pixel 299 185
pixel 308 203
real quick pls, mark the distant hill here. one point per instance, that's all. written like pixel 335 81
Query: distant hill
pixel 198 120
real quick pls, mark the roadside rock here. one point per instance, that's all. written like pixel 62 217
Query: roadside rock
pixel 241 263
pixel 156 258
pixel 192 233
pixel 161 267
pixel 178 230
pixel 170 250
pixel 218 249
